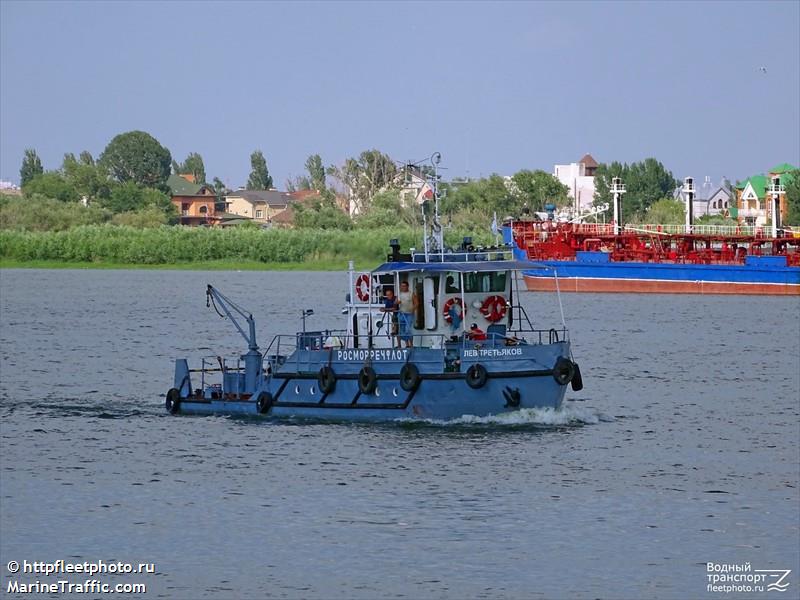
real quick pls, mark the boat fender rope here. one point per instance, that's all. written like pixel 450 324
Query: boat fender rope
pixel 410 377
pixel 264 402
pixel 173 403
pixel 326 378
pixel 477 376
pixel 494 308
pixel 367 380
pixel 563 370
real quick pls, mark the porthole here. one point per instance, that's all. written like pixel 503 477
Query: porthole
pixel 297 390
pixel 377 392
pixel 312 390
pixel 394 392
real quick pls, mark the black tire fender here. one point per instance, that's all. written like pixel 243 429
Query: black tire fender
pixel 410 377
pixel 264 403
pixel 326 378
pixel 477 376
pixel 563 370
pixel 367 380
pixel 577 380
pixel 173 403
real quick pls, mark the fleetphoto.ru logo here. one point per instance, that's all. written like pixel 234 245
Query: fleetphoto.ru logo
pixel 727 578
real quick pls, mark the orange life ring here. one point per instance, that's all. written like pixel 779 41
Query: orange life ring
pixel 494 308
pixel 363 287
pixel 448 305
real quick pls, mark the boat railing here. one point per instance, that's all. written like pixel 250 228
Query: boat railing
pixel 700 229
pixel 231 378
pixel 475 255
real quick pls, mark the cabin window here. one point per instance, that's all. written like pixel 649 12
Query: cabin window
pixel 452 284
pixel 203 209
pixel 484 282
pixel 259 214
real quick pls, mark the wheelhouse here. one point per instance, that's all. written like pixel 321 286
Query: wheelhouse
pixel 457 296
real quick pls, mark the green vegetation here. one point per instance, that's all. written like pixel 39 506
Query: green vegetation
pixel 31 167
pixel 138 157
pixel 259 179
pixel 193 165
pixel 645 183
pixel 174 245
pixel 792 186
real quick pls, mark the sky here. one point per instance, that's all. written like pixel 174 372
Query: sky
pixel 495 87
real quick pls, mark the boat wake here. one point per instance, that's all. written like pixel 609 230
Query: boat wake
pixel 569 415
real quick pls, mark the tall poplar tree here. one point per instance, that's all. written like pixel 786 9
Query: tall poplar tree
pixel 259 179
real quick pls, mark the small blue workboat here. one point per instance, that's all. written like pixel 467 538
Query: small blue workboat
pixel 433 334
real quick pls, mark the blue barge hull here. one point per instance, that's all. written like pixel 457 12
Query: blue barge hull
pixel 593 272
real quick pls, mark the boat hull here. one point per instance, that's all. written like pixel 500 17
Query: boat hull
pixel 516 378
pixel 631 277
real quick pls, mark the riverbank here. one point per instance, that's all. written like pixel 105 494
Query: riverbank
pixel 209 265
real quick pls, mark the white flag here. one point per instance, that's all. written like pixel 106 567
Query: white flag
pixel 494 224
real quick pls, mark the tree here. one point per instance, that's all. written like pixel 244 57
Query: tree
pixel 137 156
pixel 483 196
pixel 321 214
pixel 128 197
pixel 31 167
pixel 316 172
pixel 259 179
pixel 193 165
pixel 666 212
pixel 645 182
pixel 220 188
pixel 51 185
pixel 537 188
pixel 90 181
pixel 86 158
pixel 365 176
pixel 791 182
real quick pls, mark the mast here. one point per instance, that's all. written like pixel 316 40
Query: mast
pixel 434 241
pixel 776 190
pixel 617 189
pixel 688 195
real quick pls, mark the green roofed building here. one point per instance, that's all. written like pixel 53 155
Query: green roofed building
pixel 753 201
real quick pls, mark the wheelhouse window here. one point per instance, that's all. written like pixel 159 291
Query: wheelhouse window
pixel 259 214
pixel 490 281
pixel 203 209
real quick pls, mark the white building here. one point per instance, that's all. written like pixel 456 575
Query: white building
pixel 579 178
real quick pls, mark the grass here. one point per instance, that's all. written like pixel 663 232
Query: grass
pixel 208 265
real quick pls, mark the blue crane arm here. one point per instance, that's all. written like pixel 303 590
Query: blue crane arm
pixel 214 296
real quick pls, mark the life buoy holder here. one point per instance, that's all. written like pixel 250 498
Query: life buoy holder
pixel 494 308
pixel 326 378
pixel 410 377
pixel 264 403
pixel 367 380
pixel 363 287
pixel 448 305
pixel 477 376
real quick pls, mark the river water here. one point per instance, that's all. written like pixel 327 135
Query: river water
pixel 681 450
